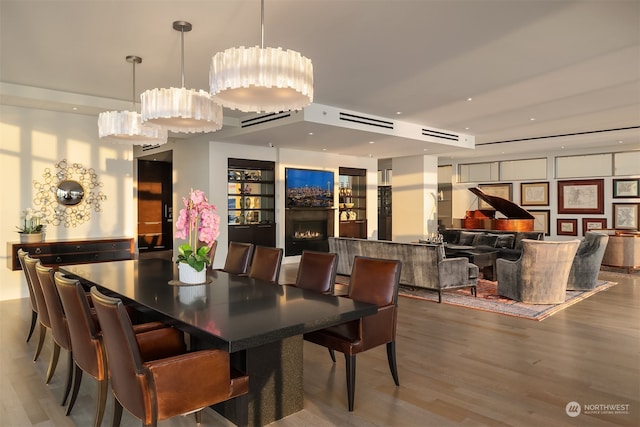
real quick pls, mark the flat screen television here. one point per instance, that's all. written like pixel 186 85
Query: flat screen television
pixel 307 188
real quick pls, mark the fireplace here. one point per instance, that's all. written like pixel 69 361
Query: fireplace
pixel 307 229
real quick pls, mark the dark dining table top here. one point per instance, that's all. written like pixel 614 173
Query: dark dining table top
pixel 232 312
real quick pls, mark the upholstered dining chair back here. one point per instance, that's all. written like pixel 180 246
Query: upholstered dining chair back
pixel 238 258
pixel 586 263
pixel 317 271
pixel 374 281
pixel 43 314
pixel 151 374
pixel 540 275
pixel 59 327
pixel 266 264
pixel 32 297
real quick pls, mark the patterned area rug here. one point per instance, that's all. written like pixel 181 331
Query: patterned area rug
pixel 489 300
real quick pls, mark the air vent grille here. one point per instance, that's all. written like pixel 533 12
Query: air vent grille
pixel 147 147
pixel 366 120
pixel 266 118
pixel 440 134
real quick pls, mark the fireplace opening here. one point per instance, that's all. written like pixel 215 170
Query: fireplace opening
pixel 307 229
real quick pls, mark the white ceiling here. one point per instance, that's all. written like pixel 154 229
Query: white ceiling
pixel 573 66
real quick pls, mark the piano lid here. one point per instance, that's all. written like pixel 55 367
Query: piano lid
pixel 504 206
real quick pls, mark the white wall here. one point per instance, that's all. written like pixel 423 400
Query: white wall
pixel 34 140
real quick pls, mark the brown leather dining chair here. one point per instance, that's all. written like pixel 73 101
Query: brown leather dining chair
pixel 374 281
pixel 172 382
pixel 32 297
pixel 238 258
pixel 317 271
pixel 43 315
pixel 86 341
pixel 266 264
pixel 59 327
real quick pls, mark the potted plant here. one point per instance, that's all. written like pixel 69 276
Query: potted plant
pixel 32 226
pixel 197 222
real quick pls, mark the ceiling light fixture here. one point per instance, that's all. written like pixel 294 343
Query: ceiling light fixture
pixel 180 109
pixel 126 126
pixel 259 79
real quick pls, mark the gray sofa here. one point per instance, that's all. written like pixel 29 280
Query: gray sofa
pixel 507 243
pixel 423 265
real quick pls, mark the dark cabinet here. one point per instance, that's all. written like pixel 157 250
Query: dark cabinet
pixel 352 202
pixel 251 201
pixel 384 213
pixel 63 252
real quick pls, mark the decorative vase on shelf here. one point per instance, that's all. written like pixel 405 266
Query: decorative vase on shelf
pixel 189 275
pixel 31 237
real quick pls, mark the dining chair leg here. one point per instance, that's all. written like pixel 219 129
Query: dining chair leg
pixel 43 332
pixel 67 387
pixel 34 320
pixel 53 362
pixel 391 357
pixel 351 379
pixel 103 391
pixel 332 354
pixel 117 413
pixel 77 379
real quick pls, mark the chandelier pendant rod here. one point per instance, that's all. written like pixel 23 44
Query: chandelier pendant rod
pixel 262 23
pixel 133 60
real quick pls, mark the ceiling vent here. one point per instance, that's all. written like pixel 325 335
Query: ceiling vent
pixel 147 147
pixel 440 134
pixel 366 120
pixel 265 118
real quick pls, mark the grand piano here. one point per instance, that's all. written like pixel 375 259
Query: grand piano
pixel 517 218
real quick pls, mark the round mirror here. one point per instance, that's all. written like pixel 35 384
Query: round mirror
pixel 69 193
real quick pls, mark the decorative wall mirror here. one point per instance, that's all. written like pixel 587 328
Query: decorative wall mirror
pixel 68 195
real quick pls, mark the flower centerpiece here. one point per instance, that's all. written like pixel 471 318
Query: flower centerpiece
pixel 32 227
pixel 197 222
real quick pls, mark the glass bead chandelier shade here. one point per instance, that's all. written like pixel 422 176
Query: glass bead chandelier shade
pixel 259 79
pixel 126 127
pixel 181 110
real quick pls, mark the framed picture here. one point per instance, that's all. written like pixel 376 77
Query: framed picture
pixel 499 190
pixel 581 197
pixel 625 215
pixel 567 227
pixel 534 194
pixel 592 224
pixel 541 221
pixel 623 188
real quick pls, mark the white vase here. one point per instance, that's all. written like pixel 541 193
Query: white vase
pixel 188 274
pixel 31 237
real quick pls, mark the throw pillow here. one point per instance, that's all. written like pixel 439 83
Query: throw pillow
pixel 466 238
pixel 505 241
pixel 485 240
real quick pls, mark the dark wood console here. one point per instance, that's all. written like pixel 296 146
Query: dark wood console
pixel 60 252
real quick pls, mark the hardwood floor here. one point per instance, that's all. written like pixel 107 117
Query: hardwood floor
pixel 457 366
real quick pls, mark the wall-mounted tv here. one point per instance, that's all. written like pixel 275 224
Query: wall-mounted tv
pixel 307 188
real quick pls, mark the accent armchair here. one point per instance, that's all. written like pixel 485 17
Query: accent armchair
pixel 540 275
pixel 586 264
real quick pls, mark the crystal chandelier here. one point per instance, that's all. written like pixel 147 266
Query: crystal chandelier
pixel 259 79
pixel 126 126
pixel 180 109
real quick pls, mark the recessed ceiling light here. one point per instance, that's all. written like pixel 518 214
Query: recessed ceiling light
pixel 398 112
pixel 75 108
pixel 372 142
pixel 425 149
pixel 469 99
pixel 532 118
pixel 562 147
pixel 324 149
pixel 466 128
pixel 619 142
pixel 310 133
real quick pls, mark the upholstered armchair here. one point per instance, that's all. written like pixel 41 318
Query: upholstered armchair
pixel 586 264
pixel 540 275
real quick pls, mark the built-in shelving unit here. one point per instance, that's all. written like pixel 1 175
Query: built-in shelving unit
pixel 352 202
pixel 251 201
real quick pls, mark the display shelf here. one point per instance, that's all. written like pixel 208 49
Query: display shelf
pixel 352 202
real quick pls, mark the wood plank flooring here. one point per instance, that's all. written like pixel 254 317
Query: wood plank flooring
pixel 457 367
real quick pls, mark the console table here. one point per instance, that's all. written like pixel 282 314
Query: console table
pixel 60 252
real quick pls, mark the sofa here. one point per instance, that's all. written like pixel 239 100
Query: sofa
pixel 623 250
pixel 423 265
pixel 507 243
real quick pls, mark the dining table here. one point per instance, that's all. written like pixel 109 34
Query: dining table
pixel 259 323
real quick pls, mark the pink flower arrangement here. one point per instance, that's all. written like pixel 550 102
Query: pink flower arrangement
pixel 197 222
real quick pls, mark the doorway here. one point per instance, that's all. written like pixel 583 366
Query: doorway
pixel 155 208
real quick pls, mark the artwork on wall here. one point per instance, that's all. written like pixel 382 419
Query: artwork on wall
pixel 541 220
pixel 499 190
pixel 67 195
pixel 626 188
pixel 581 196
pixel 593 224
pixel 534 194
pixel 625 215
pixel 567 227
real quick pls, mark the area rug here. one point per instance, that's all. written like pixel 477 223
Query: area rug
pixel 489 300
